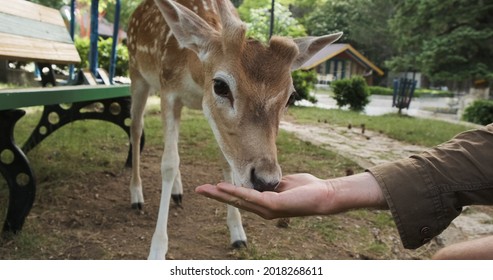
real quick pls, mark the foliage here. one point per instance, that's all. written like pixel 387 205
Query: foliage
pixel 445 40
pixel 304 82
pixel 104 55
pixel 104 48
pixel 480 112
pixel 249 5
pixel 369 29
pixel 330 17
pixel 103 4
pixel 376 90
pixel 83 45
pixel 236 3
pixel 420 92
pixel 284 23
pixel 353 92
pixel 126 10
pixel 364 23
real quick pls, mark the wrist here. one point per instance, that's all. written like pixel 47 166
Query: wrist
pixel 354 192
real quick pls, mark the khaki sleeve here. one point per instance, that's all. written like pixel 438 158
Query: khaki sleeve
pixel 427 191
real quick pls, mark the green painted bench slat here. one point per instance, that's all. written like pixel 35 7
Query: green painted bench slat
pixel 18 98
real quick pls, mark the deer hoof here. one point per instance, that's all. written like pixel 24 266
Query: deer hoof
pixel 239 244
pixel 138 205
pixel 177 198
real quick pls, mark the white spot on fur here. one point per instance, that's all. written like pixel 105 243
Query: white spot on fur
pixel 143 48
pixel 205 4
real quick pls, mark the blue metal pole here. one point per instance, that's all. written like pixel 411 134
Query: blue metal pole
pixel 116 25
pixel 93 50
pixel 271 28
pixel 72 32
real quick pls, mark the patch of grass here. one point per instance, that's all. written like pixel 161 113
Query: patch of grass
pixel 377 248
pixel 296 156
pixel 426 132
pixel 375 217
pixel 78 148
pixel 29 244
pixel 10 85
pixel 252 252
pixel 329 228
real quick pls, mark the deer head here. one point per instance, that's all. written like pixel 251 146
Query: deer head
pixel 246 86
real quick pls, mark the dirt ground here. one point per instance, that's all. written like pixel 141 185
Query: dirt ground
pixel 89 217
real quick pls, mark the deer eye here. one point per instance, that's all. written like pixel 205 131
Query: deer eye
pixel 221 88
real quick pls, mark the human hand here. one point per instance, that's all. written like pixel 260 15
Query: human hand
pixel 296 195
pixel 302 195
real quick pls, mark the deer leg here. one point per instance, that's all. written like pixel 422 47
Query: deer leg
pixel 233 220
pixel 171 110
pixel 177 191
pixel 140 92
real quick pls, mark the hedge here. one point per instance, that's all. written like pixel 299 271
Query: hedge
pixel 376 90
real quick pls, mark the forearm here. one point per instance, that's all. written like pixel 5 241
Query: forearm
pixel 356 191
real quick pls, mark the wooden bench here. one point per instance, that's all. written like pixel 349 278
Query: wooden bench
pixel 32 32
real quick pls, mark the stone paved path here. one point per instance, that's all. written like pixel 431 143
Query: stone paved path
pixel 371 148
pixel 366 149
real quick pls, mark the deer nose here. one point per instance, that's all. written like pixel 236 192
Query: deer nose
pixel 262 184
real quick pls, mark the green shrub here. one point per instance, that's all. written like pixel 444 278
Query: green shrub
pixel 82 45
pixel 376 90
pixel 480 112
pixel 104 55
pixel 304 82
pixel 432 93
pixel 353 92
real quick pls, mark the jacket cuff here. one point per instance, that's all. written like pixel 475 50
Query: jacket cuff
pixel 412 199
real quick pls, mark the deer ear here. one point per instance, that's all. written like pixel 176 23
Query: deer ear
pixel 189 29
pixel 309 46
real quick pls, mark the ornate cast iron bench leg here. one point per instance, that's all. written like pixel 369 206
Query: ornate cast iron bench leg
pixel 114 110
pixel 15 168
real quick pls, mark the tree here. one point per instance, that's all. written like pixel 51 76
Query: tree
pixel 369 29
pixel 302 8
pixel 236 3
pixel 126 10
pixel 284 23
pixel 444 39
pixel 248 5
pixel 330 17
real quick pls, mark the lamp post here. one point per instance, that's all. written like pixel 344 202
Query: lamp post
pixel 271 29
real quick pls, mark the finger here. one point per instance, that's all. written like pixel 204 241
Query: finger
pixel 234 196
pixel 212 191
pixel 245 194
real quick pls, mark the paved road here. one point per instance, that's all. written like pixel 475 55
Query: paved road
pixel 379 105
